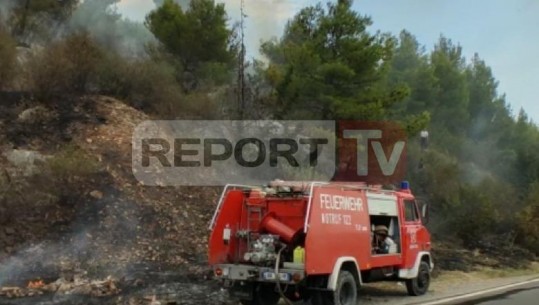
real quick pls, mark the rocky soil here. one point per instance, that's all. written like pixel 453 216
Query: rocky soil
pixel 93 224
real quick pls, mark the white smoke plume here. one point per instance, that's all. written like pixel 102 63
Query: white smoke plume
pixel 265 18
pixel 110 28
pixel 5 8
pixel 99 17
pixel 95 244
pixel 104 19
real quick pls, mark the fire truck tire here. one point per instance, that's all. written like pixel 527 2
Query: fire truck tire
pixel 345 292
pixel 420 284
pixel 264 294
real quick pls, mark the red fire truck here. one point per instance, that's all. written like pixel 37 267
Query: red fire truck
pixel 317 241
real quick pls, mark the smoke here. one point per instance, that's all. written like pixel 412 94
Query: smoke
pixel 99 17
pixel 102 242
pixel 127 34
pixel 5 7
pixel 41 260
pixel 110 28
pixel 265 18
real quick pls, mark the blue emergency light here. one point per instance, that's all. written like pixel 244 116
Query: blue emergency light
pixel 405 185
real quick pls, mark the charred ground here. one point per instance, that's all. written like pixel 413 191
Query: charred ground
pixel 89 216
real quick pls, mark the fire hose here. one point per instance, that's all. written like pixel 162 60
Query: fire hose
pixel 278 283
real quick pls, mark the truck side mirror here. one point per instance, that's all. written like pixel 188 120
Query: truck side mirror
pixel 425 213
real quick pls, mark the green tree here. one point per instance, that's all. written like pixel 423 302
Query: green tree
pixel 483 92
pixel 327 65
pixel 197 37
pixel 525 139
pixel 451 104
pixel 410 67
pixel 490 124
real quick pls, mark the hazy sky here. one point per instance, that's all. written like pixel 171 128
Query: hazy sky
pixel 504 33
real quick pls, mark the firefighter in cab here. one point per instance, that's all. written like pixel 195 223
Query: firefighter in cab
pixel 383 244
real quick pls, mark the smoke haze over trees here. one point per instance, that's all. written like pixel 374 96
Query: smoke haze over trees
pixel 480 173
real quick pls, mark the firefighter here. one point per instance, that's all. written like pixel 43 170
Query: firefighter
pixel 383 244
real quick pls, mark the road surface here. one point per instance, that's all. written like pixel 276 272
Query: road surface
pixel 525 295
pixel 496 291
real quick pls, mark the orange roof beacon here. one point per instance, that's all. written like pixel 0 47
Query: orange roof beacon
pixel 317 241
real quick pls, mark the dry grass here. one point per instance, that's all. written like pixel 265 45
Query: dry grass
pixel 448 280
pixel 460 278
pixel 509 272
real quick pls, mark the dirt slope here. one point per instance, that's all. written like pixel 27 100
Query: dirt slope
pixel 103 223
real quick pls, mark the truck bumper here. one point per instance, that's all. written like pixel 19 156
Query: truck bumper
pixel 240 272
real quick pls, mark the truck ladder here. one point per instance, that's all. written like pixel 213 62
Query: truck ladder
pixel 257 211
pixel 221 199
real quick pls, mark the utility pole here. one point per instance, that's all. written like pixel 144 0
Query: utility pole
pixel 241 66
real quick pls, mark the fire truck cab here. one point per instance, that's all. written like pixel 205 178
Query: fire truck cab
pixel 317 241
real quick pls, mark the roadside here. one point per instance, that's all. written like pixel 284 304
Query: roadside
pixel 447 284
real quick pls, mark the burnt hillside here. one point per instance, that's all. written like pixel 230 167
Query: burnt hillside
pixel 71 206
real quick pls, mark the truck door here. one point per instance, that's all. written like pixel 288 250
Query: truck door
pixel 412 224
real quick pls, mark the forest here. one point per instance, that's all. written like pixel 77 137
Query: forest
pixel 480 173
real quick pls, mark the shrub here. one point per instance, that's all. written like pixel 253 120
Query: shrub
pixel 153 85
pixel 473 201
pixel 200 105
pixel 77 65
pixel 71 162
pixel 65 175
pixel 113 76
pixel 66 67
pixel 147 84
pixel 528 220
pixel 213 74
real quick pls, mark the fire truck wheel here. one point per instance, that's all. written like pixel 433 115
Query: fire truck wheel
pixel 345 292
pixel 420 284
pixel 264 294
